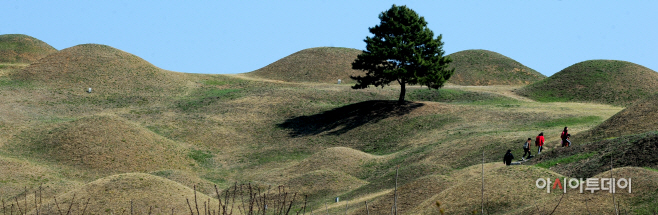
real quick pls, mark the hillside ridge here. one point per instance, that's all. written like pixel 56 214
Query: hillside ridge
pixel 478 67
pixel 321 64
pixel 602 81
pixel 20 48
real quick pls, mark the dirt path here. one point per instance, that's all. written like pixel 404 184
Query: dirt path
pixel 243 76
pixel 502 90
pixel 358 200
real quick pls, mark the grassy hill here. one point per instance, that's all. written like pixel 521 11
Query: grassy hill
pixel 322 64
pixel 105 69
pixel 508 190
pixel 602 81
pixel 587 160
pixel 113 195
pixel 482 68
pixel 105 144
pixel 322 183
pixel 638 118
pixel 337 159
pixel 16 175
pixel 19 48
pixel 206 130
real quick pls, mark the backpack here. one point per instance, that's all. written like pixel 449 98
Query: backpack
pixel 526 145
pixel 537 141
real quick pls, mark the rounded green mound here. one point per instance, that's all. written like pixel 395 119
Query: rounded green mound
pixel 600 81
pixel 101 67
pixel 484 68
pixel 19 48
pixel 322 64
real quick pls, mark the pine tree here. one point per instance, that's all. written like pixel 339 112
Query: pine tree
pixel 402 49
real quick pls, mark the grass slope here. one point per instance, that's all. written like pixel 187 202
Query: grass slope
pixel 640 117
pixel 105 144
pixel 270 133
pixel 602 81
pixel 16 175
pixel 587 160
pixel 320 184
pixel 322 64
pixel 105 69
pixel 19 48
pixel 337 159
pixel 410 195
pixel 113 195
pixel 482 68
pixel 189 179
pixel 508 190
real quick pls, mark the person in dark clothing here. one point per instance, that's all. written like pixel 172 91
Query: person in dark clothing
pixel 508 157
pixel 526 148
pixel 565 137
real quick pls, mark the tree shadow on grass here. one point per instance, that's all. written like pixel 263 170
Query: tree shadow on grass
pixel 343 119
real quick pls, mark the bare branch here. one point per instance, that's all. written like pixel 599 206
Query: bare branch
pixel 189 206
pixel 57 204
pixel 71 205
pixel 558 204
pixel 613 193
pixel 196 204
pixel 587 207
pixel 86 204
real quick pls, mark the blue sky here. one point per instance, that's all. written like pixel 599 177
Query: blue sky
pixel 224 37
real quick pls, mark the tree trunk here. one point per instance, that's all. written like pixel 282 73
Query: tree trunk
pixel 403 90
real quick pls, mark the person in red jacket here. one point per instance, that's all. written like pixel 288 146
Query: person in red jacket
pixel 565 137
pixel 539 141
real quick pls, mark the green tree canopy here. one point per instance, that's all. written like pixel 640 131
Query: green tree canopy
pixel 402 49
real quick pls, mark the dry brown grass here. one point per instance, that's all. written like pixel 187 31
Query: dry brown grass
pixel 499 129
pixel 105 69
pixel 637 118
pixel 342 159
pixel 113 195
pixel 511 190
pixel 587 160
pixel 410 196
pixel 644 186
pixel 507 189
pixel 241 138
pixel 602 81
pixel 189 179
pixel 485 68
pixel 19 48
pixel 320 65
pixel 503 90
pixel 17 175
pixel 7 68
pixel 320 184
pixel 107 144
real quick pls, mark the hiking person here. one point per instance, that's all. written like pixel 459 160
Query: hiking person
pixel 507 159
pixel 539 141
pixel 565 137
pixel 526 149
